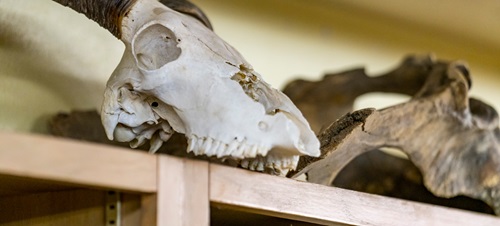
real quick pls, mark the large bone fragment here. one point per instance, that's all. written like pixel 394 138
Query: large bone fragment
pixel 451 138
pixel 322 102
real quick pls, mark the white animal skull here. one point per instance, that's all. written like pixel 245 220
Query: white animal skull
pixel 177 75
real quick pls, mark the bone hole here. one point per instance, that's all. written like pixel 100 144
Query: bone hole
pixel 263 126
pixel 156 46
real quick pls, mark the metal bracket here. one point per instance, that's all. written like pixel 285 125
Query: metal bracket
pixel 113 208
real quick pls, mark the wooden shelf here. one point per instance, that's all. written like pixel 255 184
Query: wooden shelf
pixel 76 163
pixel 165 190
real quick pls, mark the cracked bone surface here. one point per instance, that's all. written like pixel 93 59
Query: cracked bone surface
pixel 177 75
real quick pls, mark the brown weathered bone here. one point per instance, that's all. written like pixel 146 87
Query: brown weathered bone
pixel 380 173
pixel 322 102
pixel 451 138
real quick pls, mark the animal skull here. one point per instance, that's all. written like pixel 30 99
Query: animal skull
pixel 177 75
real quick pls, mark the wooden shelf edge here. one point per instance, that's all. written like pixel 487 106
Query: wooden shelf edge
pixel 77 163
pixel 291 199
pixel 91 165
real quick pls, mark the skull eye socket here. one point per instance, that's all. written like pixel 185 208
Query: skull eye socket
pixel 155 46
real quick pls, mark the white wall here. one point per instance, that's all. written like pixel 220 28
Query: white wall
pixel 53 59
pixel 286 38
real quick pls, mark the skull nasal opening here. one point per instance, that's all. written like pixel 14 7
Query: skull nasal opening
pixel 155 46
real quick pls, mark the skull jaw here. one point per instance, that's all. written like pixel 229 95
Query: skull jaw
pixel 259 155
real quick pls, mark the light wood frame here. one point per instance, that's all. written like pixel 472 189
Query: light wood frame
pixel 165 190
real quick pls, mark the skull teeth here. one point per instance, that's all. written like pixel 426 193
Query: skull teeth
pixel 236 149
pixel 208 146
pixel 191 145
pixel 221 150
pixel 155 144
pixel 138 141
pixel 251 155
pixel 279 163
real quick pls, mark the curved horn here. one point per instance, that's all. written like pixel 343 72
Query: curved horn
pixel 107 13
pixel 186 7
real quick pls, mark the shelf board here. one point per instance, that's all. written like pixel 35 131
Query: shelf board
pixel 286 198
pixel 65 162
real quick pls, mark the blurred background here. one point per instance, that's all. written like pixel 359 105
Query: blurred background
pixel 53 59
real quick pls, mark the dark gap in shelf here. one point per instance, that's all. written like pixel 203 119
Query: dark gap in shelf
pixel 228 217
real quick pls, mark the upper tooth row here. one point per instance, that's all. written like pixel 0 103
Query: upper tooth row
pixel 277 163
pixel 237 149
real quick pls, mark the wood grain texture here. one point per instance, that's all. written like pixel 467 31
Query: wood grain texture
pixel 149 208
pixel 76 163
pixel 286 198
pixel 131 209
pixel 13 185
pixel 62 208
pixel 183 195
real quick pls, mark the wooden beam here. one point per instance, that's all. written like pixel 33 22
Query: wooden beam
pixel 291 199
pixel 76 163
pixel 182 196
